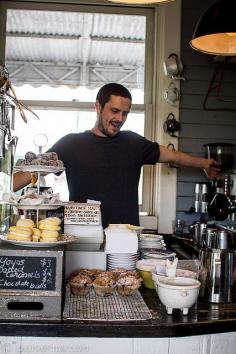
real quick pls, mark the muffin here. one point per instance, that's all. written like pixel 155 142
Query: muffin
pixel 80 284
pixel 117 272
pixel 128 284
pixel 104 285
pixel 133 273
pixel 92 273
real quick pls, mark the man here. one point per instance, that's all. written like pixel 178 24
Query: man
pixel 104 164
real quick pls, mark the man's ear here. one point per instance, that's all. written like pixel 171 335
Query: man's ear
pixel 97 107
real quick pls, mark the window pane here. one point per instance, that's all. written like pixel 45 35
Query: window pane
pixel 56 124
pixel 68 56
pixel 74 49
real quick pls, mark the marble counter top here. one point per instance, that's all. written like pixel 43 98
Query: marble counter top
pixel 203 318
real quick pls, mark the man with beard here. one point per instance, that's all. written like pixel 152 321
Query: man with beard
pixel 104 164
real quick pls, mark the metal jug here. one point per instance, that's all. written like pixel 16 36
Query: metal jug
pixel 217 274
pixel 198 230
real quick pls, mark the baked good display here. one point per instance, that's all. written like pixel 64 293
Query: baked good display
pixel 22 231
pixel 104 282
pixel 36 234
pixel 49 228
pixel 19 233
pixel 80 284
pixel 42 159
pixel 117 272
pixel 31 197
pixel 51 223
pixel 133 273
pixel 104 285
pixel 128 284
pixel 49 236
pixel 92 273
pixel 37 198
pixel 25 223
pixel 25 230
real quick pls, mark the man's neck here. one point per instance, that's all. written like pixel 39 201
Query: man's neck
pixel 97 132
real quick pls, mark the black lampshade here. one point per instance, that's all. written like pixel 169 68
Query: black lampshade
pixel 215 32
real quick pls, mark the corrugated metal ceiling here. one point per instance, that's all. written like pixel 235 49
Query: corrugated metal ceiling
pixel 75 38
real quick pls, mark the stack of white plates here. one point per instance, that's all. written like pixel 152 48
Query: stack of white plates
pixel 158 254
pixel 151 241
pixel 122 260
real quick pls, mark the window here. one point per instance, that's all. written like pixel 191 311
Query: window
pixel 58 57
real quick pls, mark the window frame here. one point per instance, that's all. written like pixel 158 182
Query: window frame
pixel 160 182
pixel 149 98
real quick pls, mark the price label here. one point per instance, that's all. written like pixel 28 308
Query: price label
pixel 82 214
pixel 27 273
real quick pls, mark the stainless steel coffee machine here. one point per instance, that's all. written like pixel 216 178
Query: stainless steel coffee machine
pixel 222 204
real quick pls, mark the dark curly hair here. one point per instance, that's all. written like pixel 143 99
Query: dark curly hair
pixel 104 93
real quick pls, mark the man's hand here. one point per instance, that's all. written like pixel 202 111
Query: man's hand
pixel 212 169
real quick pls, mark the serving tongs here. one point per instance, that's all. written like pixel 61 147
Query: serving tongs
pixel 5 85
pixel 19 104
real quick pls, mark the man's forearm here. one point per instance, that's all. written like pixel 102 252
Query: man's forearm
pixel 20 180
pixel 181 158
pixel 187 160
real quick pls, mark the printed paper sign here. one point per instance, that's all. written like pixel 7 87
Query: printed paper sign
pixel 82 214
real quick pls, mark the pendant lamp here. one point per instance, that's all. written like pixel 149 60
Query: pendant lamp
pixel 215 32
pixel 144 2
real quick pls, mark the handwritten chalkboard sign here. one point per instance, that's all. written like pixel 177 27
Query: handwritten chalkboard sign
pixel 82 214
pixel 27 273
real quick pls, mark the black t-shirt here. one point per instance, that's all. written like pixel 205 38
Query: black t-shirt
pixel 106 169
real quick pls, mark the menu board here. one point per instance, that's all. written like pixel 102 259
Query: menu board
pixel 27 273
pixel 82 214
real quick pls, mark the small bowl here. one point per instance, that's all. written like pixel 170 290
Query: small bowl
pixel 147 279
pixel 179 273
pixel 178 293
pixel 146 267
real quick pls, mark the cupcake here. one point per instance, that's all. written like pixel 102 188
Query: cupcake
pixel 117 272
pixel 133 273
pixel 104 285
pixel 92 273
pixel 80 284
pixel 128 284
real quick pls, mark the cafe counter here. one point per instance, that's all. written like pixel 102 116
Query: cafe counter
pixel 211 325
pixel 208 328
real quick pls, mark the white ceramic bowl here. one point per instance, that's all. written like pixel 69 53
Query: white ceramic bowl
pixel 179 273
pixel 178 293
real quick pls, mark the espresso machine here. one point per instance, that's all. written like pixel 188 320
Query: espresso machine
pixel 217 249
pixel 222 201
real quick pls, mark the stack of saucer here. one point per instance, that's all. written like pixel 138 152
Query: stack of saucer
pixel 122 260
pixel 158 254
pixel 150 243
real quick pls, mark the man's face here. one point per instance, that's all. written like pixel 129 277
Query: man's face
pixel 113 115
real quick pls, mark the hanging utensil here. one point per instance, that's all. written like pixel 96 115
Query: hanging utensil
pixel 20 105
pixel 171 95
pixel 4 75
pixel 171 125
pixel 172 147
pixel 173 67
